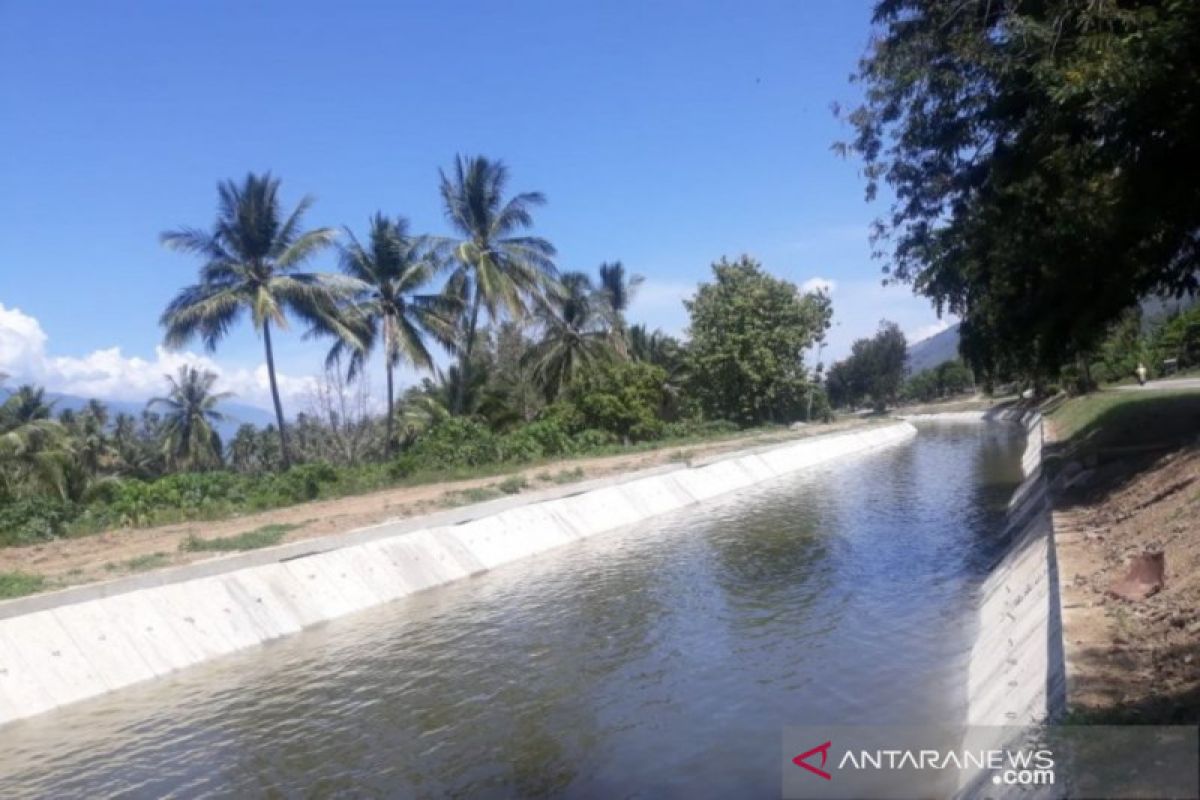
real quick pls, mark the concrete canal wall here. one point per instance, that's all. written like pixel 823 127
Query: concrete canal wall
pixel 1016 676
pixel 1016 673
pixel 66 646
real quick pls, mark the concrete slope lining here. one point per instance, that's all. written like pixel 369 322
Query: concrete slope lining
pixel 62 648
pixel 1016 677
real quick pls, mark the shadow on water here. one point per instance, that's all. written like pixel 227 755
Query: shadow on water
pixel 663 659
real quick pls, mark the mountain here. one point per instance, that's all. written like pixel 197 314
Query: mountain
pixel 928 353
pixel 238 413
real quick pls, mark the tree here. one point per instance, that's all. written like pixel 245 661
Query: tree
pixel 573 333
pixel 251 257
pixel 621 397
pixel 386 306
pixel 874 369
pixel 497 270
pixel 749 332
pixel 617 290
pixel 1033 152
pixel 190 411
pixel 948 378
pixel 32 445
pixel 669 354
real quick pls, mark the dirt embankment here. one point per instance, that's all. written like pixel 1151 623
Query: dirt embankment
pixel 1132 661
pixel 68 562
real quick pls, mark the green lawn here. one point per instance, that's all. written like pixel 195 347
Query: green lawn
pixel 1128 419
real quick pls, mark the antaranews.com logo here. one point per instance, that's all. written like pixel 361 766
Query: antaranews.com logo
pixel 1078 761
pixel 1020 767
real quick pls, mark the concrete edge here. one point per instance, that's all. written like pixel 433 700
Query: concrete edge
pixel 67 646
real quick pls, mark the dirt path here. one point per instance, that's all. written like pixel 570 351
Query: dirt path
pixel 68 562
pixel 1132 661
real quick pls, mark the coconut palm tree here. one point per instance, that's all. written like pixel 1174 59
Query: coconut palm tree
pixel 574 333
pixel 189 413
pixel 251 257
pixel 618 290
pixel 33 447
pixel 387 273
pixel 497 270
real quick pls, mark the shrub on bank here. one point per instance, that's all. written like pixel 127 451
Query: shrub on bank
pixel 28 520
pixel 454 445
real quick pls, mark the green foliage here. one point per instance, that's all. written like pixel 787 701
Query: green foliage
pixel 592 439
pixel 497 267
pixel 190 440
pixel 475 494
pixel 1178 338
pixel 565 475
pixel 542 438
pixel 1034 151
pixel 455 442
pixel 623 398
pixel 699 429
pixel 37 518
pixel 141 563
pixel 251 262
pixel 749 333
pixel 873 371
pixel 945 380
pixel 513 485
pixel 266 536
pixel 17 584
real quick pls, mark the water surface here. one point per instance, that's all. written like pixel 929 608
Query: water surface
pixel 660 660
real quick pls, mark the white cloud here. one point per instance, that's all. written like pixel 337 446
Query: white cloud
pixel 925 331
pixel 860 305
pixel 658 295
pixel 659 304
pixel 818 284
pixel 109 374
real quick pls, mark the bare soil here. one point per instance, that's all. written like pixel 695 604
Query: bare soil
pixel 1132 661
pixel 102 556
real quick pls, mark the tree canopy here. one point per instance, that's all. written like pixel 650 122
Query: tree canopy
pixel 873 371
pixel 1036 156
pixel 749 332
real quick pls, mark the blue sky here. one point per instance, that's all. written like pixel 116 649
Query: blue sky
pixel 663 134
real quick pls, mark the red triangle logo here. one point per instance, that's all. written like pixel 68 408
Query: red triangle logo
pixel 802 760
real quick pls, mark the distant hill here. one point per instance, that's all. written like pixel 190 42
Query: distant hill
pixel 928 353
pixel 238 413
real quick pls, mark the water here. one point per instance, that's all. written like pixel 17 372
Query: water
pixel 657 661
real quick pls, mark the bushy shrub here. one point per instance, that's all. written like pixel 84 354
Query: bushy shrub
pixel 623 398
pixel 402 466
pixel 513 485
pixel 592 439
pixel 539 439
pixel 299 483
pixel 456 442
pixel 27 520
pixel 698 428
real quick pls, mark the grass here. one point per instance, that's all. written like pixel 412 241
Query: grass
pixel 476 494
pixel 564 476
pixel 513 485
pixel 1122 419
pixel 140 563
pixel 17 584
pixel 266 536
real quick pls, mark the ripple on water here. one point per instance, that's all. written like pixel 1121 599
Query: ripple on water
pixel 665 657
